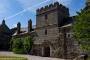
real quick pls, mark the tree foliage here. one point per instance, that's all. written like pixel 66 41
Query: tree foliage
pixel 17 45
pixel 81 28
pixel 21 45
pixel 27 44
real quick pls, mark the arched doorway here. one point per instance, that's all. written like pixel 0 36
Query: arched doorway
pixel 46 51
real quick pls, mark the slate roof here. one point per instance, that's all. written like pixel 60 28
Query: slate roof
pixel 4 28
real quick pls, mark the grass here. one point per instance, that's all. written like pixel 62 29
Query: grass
pixel 89 58
pixel 11 58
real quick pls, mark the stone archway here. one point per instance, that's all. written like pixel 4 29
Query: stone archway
pixel 47 47
pixel 46 51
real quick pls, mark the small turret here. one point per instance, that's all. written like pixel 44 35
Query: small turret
pixel 18 27
pixel 30 25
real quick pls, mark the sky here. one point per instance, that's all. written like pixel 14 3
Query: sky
pixel 14 11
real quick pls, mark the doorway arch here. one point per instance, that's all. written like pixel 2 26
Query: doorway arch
pixel 46 51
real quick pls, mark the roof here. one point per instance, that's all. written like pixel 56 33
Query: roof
pixel 68 20
pixel 68 25
pixel 4 28
pixel 24 30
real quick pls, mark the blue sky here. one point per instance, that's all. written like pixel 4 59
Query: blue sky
pixel 14 11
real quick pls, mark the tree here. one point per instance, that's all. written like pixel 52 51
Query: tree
pixel 81 28
pixel 17 45
pixel 27 44
pixel 21 45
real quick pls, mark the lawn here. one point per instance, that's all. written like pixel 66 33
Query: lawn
pixel 89 58
pixel 11 58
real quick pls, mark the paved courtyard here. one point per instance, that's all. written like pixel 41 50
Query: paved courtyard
pixel 29 57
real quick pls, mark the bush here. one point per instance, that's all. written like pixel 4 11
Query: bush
pixel 17 46
pixel 17 43
pixel 21 45
pixel 81 29
pixel 27 44
pixel 18 51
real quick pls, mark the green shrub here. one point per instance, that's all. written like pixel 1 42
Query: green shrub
pixel 81 29
pixel 27 44
pixel 17 43
pixel 17 46
pixel 21 45
pixel 18 51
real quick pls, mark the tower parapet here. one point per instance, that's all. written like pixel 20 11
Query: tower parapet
pixel 88 3
pixel 51 7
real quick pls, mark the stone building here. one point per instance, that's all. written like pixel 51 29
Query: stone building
pixel 53 28
pixel 5 35
pixel 88 3
pixel 52 36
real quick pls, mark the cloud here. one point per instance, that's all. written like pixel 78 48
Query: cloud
pixel 8 7
pixel 14 25
pixel 32 5
pixel 26 4
pixel 29 3
pixel 31 9
pixel 5 9
pixel 2 8
pixel 4 5
pixel 64 2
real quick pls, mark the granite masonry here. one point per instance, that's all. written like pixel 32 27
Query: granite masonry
pixel 52 35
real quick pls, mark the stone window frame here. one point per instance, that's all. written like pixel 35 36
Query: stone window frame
pixel 46 16
pixel 45 31
pixel 69 35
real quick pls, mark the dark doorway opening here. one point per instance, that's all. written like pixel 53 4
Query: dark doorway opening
pixel 4 47
pixel 46 51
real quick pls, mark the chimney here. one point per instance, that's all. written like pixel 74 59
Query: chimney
pixel 29 25
pixel 3 22
pixel 18 27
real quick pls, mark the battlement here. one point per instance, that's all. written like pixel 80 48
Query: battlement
pixel 87 3
pixel 50 7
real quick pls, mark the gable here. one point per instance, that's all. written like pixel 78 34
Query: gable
pixel 4 28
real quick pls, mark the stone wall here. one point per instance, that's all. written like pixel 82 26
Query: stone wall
pixel 59 41
pixel 51 15
pixel 51 36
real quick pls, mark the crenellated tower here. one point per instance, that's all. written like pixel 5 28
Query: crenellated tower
pixel 88 3
pixel 48 21
pixel 51 14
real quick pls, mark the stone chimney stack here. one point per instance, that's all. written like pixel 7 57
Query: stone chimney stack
pixel 30 25
pixel 3 22
pixel 18 27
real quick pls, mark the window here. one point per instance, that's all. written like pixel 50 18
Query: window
pixel 46 16
pixel 69 35
pixel 45 31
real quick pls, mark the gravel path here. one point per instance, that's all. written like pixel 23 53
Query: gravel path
pixel 29 57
